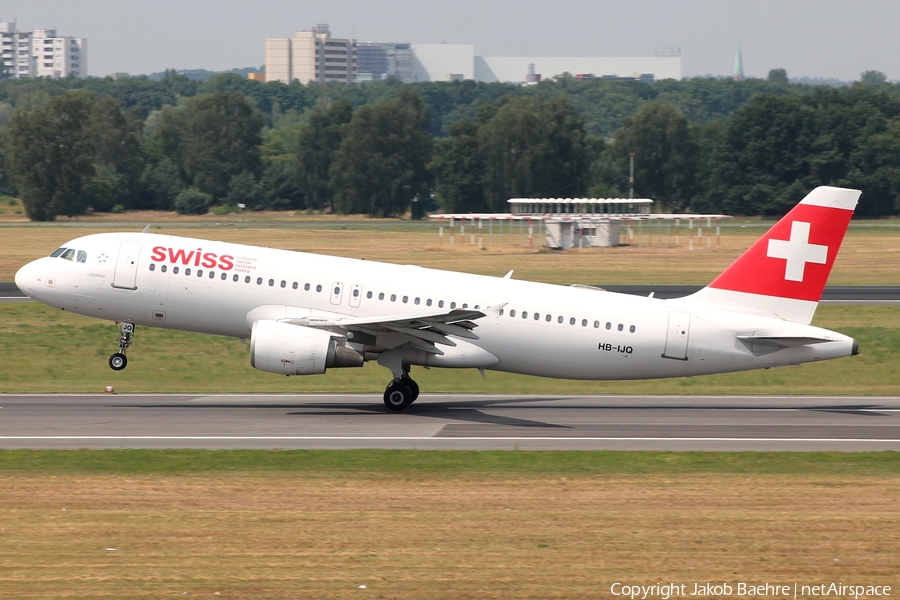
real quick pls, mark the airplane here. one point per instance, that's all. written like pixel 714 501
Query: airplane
pixel 304 313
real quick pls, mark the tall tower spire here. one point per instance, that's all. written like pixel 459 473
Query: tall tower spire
pixel 738 64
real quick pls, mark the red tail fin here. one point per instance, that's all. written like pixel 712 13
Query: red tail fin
pixel 784 273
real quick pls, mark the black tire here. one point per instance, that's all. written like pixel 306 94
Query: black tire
pixel 118 361
pixel 413 387
pixel 397 397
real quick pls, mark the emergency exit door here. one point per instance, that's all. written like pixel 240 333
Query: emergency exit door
pixel 677 335
pixel 126 266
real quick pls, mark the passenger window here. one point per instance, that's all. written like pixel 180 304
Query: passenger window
pixel 381 295
pixel 393 297
pixel 163 268
pixel 584 322
pixel 369 295
pixel 283 283
pixel 596 324
pixel 631 329
pixel 512 313
pixel 235 278
pixel 259 281
pixel 152 267
pixel 295 285
pixel 247 279
pixel 57 252
pixel 271 282
pixel 537 316
pixel 416 301
pixel 477 307
pixel 440 304
pixel 69 254
pixel 82 256
pixel 559 319
pixel 174 270
pixel 621 327
pixel 212 275
pixel 428 302
pixel 608 325
pixel 405 299
pixel 572 321
pixel 199 272
pixel 306 287
pixel 548 318
pixel 524 314
pixel 452 305
pixel 337 291
pixel 319 288
pixel 356 293
pixel 187 271
pixel 500 312
pixel 465 305
pixel 224 276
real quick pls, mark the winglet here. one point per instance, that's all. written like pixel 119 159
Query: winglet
pixel 493 312
pixel 509 275
pixel 146 229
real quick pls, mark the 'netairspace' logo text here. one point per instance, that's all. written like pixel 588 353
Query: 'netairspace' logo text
pixel 665 591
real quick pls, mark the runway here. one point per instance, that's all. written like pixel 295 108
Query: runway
pixel 457 422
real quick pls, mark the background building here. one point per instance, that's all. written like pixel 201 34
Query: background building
pixel 41 53
pixel 311 56
pixel 316 56
pixel 380 60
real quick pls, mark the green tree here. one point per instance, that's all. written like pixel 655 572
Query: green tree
pixel 533 147
pixel 777 76
pixel 117 155
pixel 317 144
pixel 873 78
pixel 380 166
pixel 193 202
pixel 458 169
pixel 52 157
pixel 665 156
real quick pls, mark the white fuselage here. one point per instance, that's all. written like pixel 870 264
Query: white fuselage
pixel 546 330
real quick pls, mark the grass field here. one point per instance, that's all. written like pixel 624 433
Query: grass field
pixel 870 255
pixel 45 350
pixel 454 525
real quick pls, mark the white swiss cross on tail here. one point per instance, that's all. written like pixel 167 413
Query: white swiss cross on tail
pixel 807 239
pixel 797 251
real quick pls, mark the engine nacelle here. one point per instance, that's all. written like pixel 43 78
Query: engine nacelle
pixel 296 350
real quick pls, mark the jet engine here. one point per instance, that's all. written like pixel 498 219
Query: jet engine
pixel 288 349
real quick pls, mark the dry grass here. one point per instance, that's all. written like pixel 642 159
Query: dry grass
pixel 869 256
pixel 437 536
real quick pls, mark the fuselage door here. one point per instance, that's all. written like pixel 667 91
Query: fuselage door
pixel 126 266
pixel 677 336
pixel 337 292
pixel 355 295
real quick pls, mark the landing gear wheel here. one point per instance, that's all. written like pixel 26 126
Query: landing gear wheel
pixel 118 361
pixel 412 385
pixel 398 396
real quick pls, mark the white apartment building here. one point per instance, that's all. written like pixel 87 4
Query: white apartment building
pixel 41 53
pixel 59 56
pixel 16 51
pixel 311 56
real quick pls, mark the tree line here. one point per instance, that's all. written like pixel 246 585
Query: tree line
pixel 384 149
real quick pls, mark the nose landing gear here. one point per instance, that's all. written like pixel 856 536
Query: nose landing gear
pixel 119 361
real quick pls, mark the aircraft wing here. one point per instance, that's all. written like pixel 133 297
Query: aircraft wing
pixel 423 330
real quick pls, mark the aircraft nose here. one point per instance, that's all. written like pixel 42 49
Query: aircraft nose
pixel 25 279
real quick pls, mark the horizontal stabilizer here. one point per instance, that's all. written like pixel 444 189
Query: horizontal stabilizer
pixel 778 341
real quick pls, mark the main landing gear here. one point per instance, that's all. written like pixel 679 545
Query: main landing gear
pixel 119 361
pixel 400 393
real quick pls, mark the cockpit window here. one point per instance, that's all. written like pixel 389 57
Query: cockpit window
pixel 68 254
pixel 82 256
pixel 57 253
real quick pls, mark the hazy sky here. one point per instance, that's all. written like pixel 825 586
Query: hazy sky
pixel 816 38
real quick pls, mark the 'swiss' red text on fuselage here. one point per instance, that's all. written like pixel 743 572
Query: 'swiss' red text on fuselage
pixel 197 258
